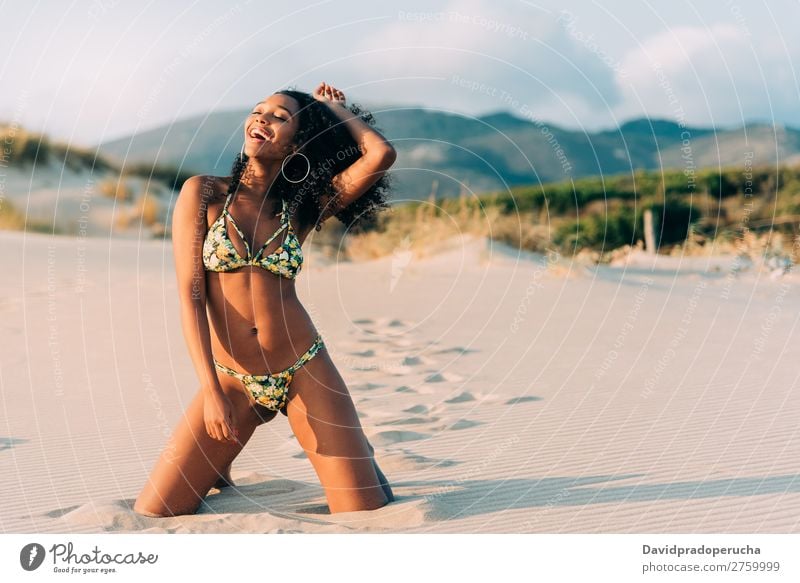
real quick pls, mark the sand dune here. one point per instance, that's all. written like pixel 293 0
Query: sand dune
pixel 502 393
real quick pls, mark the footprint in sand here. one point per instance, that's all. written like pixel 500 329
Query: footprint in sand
pixel 409 421
pixel 9 442
pixel 441 377
pixel 367 386
pixel 383 327
pixel 462 398
pixel 417 360
pixel 457 350
pixel 394 323
pixel 465 424
pixel 383 360
pixel 407 460
pixel 366 332
pixel 366 368
pixel 59 512
pixel 398 371
pixel 516 400
pixel 407 364
pixel 385 438
pixel 405 389
pixel 460 424
pixel 416 409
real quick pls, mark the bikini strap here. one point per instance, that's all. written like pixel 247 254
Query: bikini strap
pixel 283 225
pixel 227 201
pixel 308 355
pixel 285 217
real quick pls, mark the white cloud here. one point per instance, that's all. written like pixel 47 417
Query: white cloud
pixel 716 75
pixel 513 51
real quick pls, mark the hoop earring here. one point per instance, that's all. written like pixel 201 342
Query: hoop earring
pixel 286 159
pixel 241 153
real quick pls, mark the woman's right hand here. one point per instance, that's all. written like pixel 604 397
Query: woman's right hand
pixel 218 416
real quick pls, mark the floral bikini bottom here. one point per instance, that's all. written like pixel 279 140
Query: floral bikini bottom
pixel 272 390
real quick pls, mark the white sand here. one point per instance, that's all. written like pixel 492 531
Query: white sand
pixel 500 396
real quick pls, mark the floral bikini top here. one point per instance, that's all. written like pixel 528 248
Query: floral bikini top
pixel 220 255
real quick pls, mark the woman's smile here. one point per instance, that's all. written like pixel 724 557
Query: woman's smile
pixel 259 135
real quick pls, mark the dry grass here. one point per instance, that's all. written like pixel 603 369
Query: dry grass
pixel 429 227
pixel 774 248
pixel 117 189
pixel 751 244
pixel 145 212
pixel 13 220
pixel 10 218
pixel 423 229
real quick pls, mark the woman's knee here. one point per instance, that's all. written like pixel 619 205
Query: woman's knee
pixel 149 504
pixel 165 500
pixel 143 510
pixel 356 499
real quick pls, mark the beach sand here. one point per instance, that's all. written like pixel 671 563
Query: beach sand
pixel 503 392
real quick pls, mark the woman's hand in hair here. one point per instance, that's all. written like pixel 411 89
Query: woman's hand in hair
pixel 329 94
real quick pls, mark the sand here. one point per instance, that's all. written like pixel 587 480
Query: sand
pixel 503 392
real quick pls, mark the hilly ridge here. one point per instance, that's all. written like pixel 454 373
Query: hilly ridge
pixel 487 153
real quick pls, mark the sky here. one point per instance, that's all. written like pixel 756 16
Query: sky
pixel 90 71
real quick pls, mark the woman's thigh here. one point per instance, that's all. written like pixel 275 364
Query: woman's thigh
pixel 324 420
pixel 192 461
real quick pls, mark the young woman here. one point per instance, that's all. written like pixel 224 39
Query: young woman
pixel 237 247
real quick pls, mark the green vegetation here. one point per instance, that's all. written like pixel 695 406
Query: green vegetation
pixel 606 212
pixel 593 214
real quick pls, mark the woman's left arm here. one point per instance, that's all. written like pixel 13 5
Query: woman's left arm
pixel 377 154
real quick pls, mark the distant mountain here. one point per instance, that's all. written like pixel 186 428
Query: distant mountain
pixel 491 152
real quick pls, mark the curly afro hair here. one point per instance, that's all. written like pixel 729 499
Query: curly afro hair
pixel 330 148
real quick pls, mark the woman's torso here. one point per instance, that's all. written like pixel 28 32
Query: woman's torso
pixel 258 324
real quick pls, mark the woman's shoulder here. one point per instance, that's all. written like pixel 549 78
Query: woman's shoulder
pixel 207 188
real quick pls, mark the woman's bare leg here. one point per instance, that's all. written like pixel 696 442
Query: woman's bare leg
pixel 384 482
pixel 324 420
pixel 225 479
pixel 192 461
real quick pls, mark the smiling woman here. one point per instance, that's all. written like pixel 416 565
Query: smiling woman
pixel 254 347
pixel 331 168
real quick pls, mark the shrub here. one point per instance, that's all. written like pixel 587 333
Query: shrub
pixel 117 189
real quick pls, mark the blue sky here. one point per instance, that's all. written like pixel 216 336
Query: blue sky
pixel 87 71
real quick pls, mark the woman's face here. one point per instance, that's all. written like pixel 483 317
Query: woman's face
pixel 270 127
